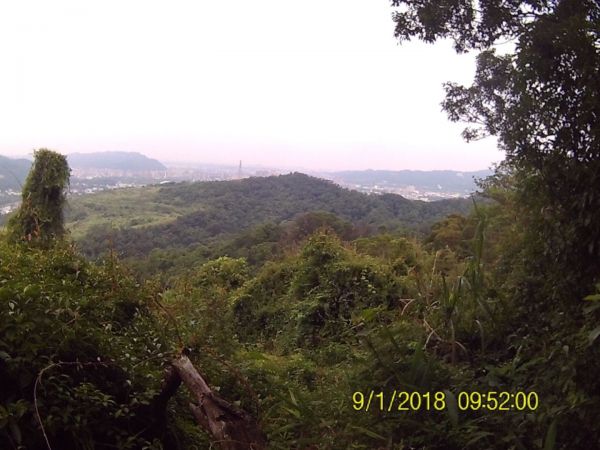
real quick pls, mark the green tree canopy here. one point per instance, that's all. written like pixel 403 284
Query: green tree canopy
pixel 40 216
pixel 541 100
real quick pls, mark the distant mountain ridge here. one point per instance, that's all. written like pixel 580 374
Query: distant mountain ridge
pixel 448 180
pixel 13 172
pixel 123 161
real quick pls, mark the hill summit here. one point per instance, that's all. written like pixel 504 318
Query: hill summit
pixel 182 216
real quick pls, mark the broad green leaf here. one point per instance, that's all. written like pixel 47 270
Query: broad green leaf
pixel 478 436
pixel 452 407
pixel 293 412
pixel 550 440
pixel 369 314
pixel 593 335
pixel 369 433
pixel 294 401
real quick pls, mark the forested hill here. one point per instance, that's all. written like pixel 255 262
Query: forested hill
pixel 182 215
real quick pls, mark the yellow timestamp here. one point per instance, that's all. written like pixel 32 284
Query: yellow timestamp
pixel 442 400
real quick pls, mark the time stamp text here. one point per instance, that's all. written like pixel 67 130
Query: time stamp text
pixel 438 401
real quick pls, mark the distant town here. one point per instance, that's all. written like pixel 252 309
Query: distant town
pixel 92 173
pixel 410 192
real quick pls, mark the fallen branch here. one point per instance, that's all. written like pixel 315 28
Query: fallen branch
pixel 230 426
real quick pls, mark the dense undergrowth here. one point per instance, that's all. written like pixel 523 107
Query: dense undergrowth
pixel 83 346
pixel 311 307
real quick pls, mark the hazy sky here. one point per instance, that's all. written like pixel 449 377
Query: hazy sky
pixel 318 84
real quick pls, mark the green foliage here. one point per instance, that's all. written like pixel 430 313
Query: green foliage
pixel 190 216
pixel 40 216
pixel 258 311
pixel 128 207
pixel 78 342
pixel 307 224
pixel 224 273
pixel 282 290
pixel 341 310
pixel 312 298
pixel 453 232
pixel 289 300
pixel 292 341
pixel 541 102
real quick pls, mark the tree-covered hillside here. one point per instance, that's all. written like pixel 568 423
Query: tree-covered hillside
pixel 179 217
pixel 335 339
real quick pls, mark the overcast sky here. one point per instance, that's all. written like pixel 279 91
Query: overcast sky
pixel 316 84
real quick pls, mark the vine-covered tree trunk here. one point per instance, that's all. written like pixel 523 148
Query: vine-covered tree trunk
pixel 40 216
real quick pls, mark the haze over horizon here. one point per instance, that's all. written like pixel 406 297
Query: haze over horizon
pixel 268 83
